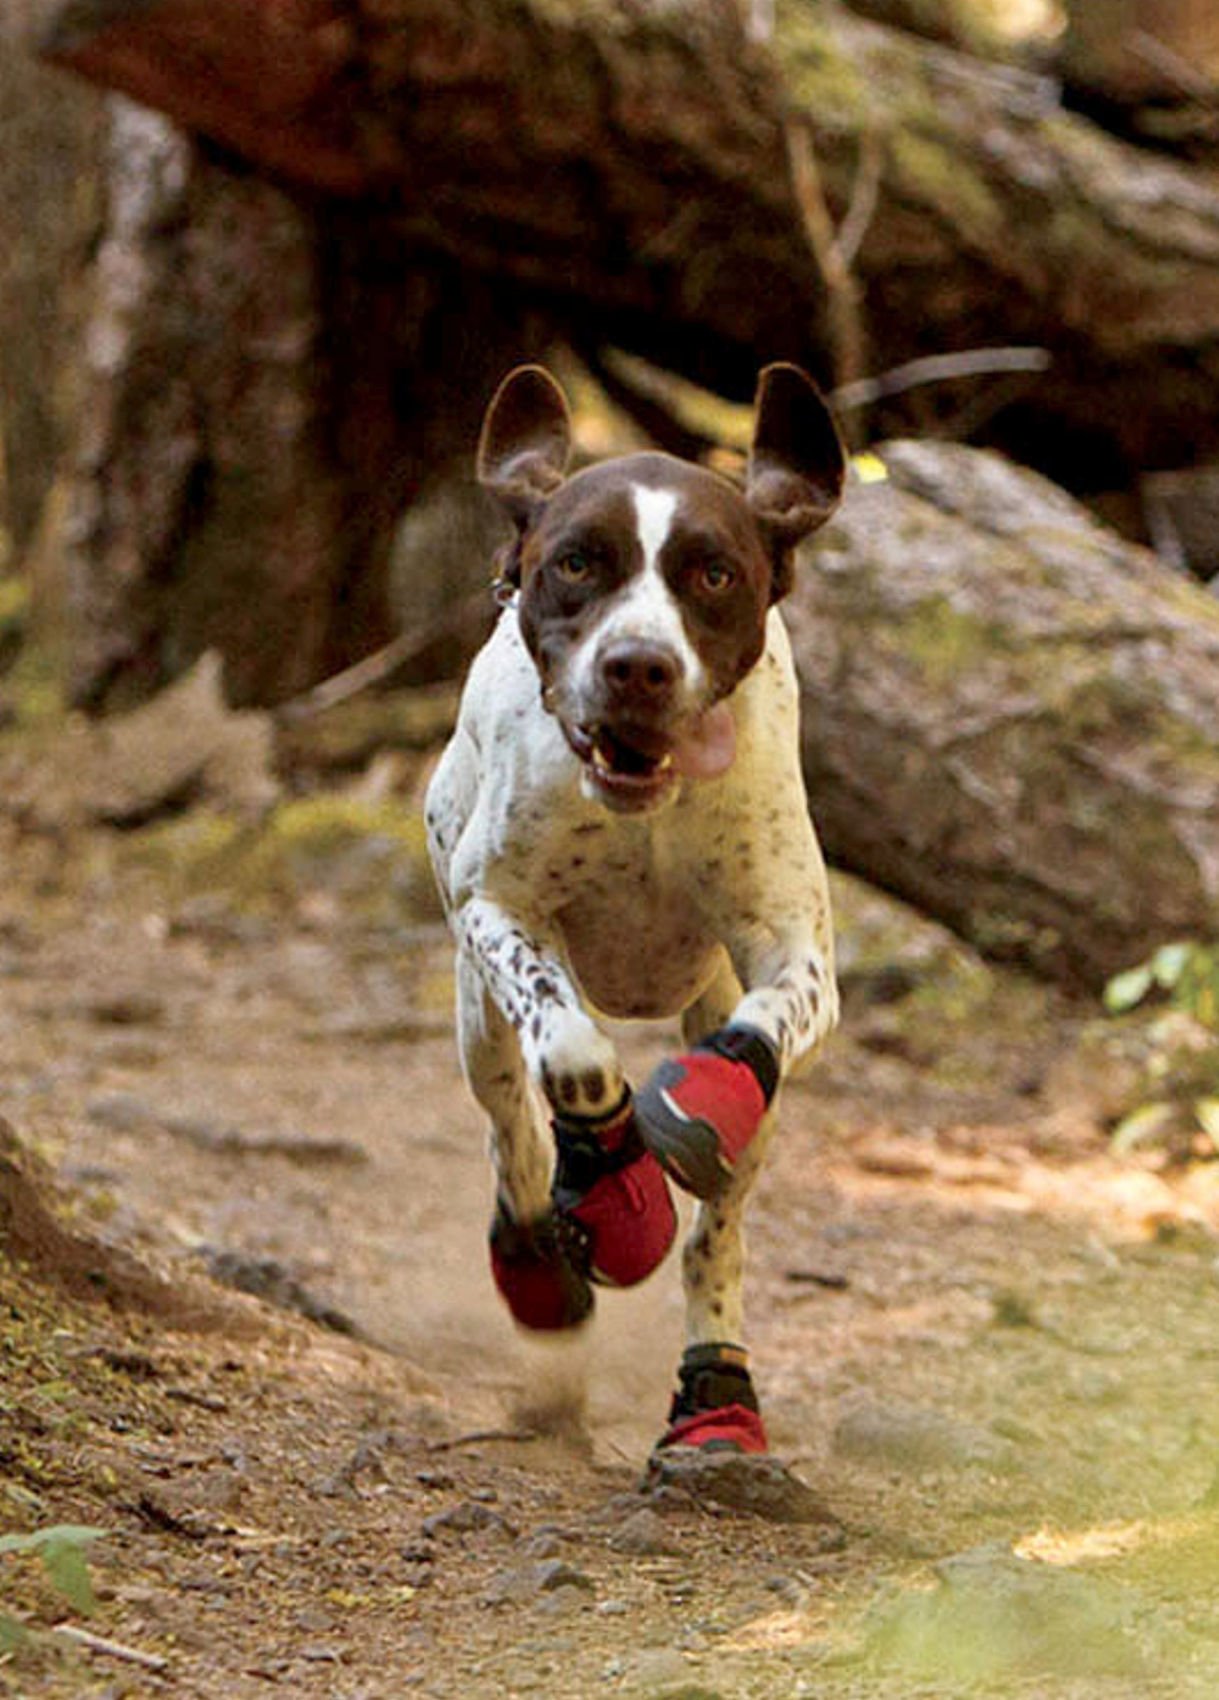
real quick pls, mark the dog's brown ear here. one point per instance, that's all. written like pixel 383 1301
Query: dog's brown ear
pixel 796 465
pixel 525 441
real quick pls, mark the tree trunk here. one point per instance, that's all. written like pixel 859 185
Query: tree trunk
pixel 1011 718
pixel 269 391
pixel 49 215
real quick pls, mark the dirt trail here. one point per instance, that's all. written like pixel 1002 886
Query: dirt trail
pixel 987 1346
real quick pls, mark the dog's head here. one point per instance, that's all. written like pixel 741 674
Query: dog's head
pixel 645 581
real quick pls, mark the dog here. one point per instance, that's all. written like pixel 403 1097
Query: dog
pixel 619 827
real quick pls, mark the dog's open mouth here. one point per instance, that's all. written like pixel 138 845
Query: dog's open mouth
pixel 633 766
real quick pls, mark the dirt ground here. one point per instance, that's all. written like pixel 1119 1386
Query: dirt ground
pixel 986 1344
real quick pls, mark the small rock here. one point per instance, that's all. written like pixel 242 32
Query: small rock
pixel 757 1485
pixel 126 1009
pixel 786 1588
pixel 467 1517
pixel 521 1584
pixel 554 1573
pixel 320 1654
pixel 122 1112
pixel 560 1601
pixel 266 1278
pixel 643 1535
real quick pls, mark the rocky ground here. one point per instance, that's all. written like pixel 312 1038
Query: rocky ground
pixel 255 1342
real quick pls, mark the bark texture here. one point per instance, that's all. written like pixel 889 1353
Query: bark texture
pixel 630 162
pixel 268 392
pixel 1010 715
pixel 49 215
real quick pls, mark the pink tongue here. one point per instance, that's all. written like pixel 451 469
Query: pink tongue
pixel 708 745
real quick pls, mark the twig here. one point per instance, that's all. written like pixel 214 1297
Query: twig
pixel 370 670
pixel 865 192
pixel 1161 57
pixel 408 646
pixel 937 369
pixel 843 306
pixel 478 1436
pixel 109 1649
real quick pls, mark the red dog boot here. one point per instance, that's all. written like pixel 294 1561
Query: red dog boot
pixel 699 1111
pixel 540 1269
pixel 715 1407
pixel 613 1190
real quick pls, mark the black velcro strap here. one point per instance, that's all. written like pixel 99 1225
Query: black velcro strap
pixel 711 1377
pixel 581 1160
pixel 747 1045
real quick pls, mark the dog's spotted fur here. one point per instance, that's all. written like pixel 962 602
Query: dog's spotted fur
pixel 643 608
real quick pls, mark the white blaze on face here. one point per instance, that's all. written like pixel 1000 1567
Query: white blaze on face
pixel 645 608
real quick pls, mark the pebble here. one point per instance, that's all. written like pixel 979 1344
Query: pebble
pixel 758 1485
pixel 524 1583
pixel 126 1009
pixel 123 1112
pixel 644 1535
pixel 467 1517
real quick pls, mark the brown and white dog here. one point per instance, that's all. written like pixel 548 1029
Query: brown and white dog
pixel 619 827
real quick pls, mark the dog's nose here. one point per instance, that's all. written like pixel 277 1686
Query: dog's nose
pixel 644 671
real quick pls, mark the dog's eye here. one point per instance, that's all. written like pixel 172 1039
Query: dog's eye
pixel 715 577
pixel 575 567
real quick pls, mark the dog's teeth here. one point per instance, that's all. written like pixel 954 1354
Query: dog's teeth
pixel 599 760
pixel 665 763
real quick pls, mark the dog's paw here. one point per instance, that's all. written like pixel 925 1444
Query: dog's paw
pixel 578 1067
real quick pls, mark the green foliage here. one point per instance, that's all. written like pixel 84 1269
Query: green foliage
pixel 1186 971
pixel 61 1550
pixel 1183 1113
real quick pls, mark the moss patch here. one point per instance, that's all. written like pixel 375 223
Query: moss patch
pixel 367 860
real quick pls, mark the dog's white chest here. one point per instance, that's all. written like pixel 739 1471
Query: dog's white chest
pixel 636 941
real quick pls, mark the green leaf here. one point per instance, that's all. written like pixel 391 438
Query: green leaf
pixel 61 1548
pixel 1169 963
pixel 1142 1127
pixel 1126 990
pixel 65 1563
pixel 12 1632
pixel 38 1539
pixel 1207 1112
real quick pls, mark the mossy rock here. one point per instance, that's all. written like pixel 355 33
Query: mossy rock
pixel 368 860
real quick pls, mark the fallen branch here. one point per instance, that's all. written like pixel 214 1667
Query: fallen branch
pixel 461 628
pixel 480 1436
pixel 939 369
pixel 106 1648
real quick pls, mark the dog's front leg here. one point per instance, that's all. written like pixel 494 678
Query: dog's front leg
pixel 565 1052
pixel 592 1205
pixel 701 1112
pixel 790 997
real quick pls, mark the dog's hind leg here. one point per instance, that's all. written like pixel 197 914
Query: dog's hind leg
pixel 715 1406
